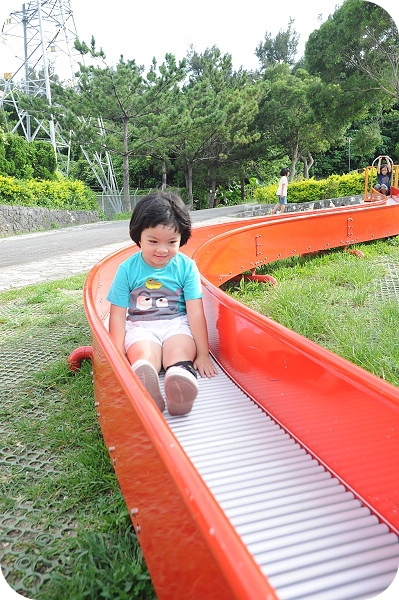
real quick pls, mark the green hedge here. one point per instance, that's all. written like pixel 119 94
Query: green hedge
pixel 310 190
pixel 26 160
pixel 63 194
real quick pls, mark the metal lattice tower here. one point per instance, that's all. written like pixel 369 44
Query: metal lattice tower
pixel 41 38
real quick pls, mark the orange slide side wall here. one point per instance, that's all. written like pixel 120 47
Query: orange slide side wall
pixel 347 418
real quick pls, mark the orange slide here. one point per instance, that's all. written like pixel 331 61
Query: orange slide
pixel 282 482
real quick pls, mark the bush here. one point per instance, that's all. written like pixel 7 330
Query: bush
pixel 43 160
pixel 24 160
pixel 63 194
pixel 310 190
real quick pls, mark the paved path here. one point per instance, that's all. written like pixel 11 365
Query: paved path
pixel 59 253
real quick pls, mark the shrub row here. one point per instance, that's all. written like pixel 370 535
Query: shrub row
pixel 310 190
pixel 24 160
pixel 63 194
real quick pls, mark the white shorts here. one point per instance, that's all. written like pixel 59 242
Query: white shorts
pixel 155 331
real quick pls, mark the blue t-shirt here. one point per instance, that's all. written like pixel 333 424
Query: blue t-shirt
pixel 150 294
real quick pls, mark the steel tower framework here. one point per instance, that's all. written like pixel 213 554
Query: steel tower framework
pixel 41 36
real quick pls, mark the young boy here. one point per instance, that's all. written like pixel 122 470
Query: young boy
pixel 164 326
pixel 282 191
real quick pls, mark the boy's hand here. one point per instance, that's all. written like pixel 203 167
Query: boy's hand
pixel 205 366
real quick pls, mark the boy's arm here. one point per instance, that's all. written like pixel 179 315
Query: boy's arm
pixel 117 322
pixel 197 322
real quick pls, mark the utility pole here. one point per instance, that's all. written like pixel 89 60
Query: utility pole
pixel 349 154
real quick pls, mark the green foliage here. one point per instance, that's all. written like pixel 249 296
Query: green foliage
pixel 24 160
pixel 357 47
pixel 311 190
pixel 78 541
pixel 281 49
pixel 215 109
pixel 121 110
pixel 334 299
pixel 63 194
pixel 229 196
pixel 43 160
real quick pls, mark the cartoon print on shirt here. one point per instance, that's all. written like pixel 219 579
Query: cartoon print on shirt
pixel 153 301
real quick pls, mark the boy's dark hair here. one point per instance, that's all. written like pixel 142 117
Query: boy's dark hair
pixel 160 208
pixel 284 171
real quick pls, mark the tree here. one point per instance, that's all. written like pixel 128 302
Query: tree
pixel 299 117
pixel 357 47
pixel 215 110
pixel 118 109
pixel 278 50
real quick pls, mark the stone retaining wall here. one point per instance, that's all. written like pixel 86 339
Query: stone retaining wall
pixel 21 219
pixel 257 210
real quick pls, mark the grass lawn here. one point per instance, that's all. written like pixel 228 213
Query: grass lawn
pixel 65 528
pixel 347 304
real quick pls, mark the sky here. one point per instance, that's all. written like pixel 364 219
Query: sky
pixel 142 30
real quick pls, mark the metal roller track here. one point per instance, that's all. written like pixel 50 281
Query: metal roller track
pixel 309 535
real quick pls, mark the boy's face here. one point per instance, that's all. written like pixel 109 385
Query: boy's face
pixel 159 245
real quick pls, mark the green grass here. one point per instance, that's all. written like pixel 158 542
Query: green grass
pixel 66 532
pixel 122 216
pixel 335 299
pixel 65 528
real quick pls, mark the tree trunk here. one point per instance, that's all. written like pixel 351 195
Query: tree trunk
pixel 242 186
pixel 294 160
pixel 126 188
pixel 188 174
pixel 212 191
pixel 164 175
pixel 307 164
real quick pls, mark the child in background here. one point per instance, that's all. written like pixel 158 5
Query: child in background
pixel 282 191
pixel 157 316
pixel 383 184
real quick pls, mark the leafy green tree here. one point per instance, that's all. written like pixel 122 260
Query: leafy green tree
pixel 4 168
pixel 43 159
pixel 358 48
pixel 23 160
pixel 15 156
pixel 298 116
pixel 216 108
pixel 118 109
pixel 278 50
pixel 366 139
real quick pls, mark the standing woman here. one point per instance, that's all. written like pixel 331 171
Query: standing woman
pixel 282 191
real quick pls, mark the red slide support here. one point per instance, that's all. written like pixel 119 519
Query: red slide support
pixel 76 357
pixel 345 418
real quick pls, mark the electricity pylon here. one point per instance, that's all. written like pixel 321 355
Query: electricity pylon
pixel 40 37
